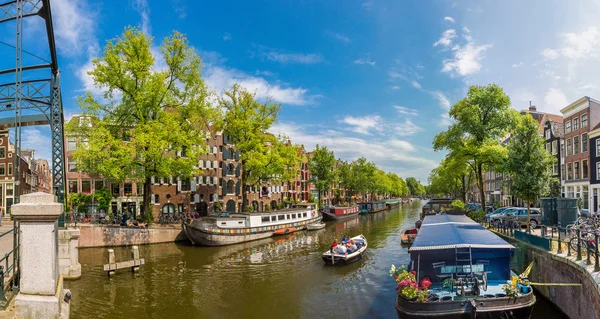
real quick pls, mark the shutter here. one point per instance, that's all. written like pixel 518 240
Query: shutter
pixel 237 155
pixel 152 199
pixel 152 179
pixel 193 184
pixel 208 164
pixel 201 164
pixel 215 164
pixel 178 184
pixel 238 170
pixel 223 169
pixel 197 198
pixel 215 181
pixel 237 187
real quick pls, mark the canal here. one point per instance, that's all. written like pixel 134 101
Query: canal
pixel 281 277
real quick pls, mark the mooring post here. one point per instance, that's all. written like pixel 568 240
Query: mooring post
pixel 135 256
pixel 111 262
pixel 588 262
pixel 578 244
pixel 597 264
pixel 559 243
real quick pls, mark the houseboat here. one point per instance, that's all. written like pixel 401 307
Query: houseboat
pixel 339 213
pixel 392 204
pixel 372 207
pixel 242 227
pixel 436 206
pixel 467 269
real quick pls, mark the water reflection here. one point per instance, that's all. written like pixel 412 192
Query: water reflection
pixel 279 277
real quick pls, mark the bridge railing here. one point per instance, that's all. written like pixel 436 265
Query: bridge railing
pixel 9 272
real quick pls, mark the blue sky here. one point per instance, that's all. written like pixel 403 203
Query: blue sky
pixel 365 78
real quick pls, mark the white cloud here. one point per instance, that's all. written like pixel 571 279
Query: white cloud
pixel 555 100
pixel 220 78
pixel 449 19
pixel 338 36
pixel 416 84
pixel 445 121
pixel 406 111
pixel 407 128
pixel 38 139
pixel 363 125
pixel 442 99
pixel 227 36
pixel 366 61
pixel 141 6
pixel 584 44
pixel 466 60
pixel 446 38
pixel 74 23
pixel 285 57
pixel 265 73
pixel 550 54
pixel 517 65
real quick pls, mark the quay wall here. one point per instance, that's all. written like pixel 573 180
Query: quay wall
pixel 549 267
pixel 106 236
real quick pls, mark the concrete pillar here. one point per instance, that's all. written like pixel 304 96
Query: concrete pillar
pixel 41 291
pixel 68 253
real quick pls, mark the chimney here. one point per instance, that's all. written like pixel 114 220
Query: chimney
pixel 532 108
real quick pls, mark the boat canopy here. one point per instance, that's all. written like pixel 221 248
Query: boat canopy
pixel 455 231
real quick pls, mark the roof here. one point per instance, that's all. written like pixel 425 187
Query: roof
pixel 455 231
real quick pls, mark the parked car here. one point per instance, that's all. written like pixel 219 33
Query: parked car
pixel 497 217
pixel 497 211
pixel 521 215
pixel 586 213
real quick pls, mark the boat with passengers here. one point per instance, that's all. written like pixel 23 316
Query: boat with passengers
pixel 240 227
pixel 467 269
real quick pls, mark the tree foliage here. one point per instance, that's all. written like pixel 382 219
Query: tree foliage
pixel 321 165
pixel 452 177
pixel 264 157
pixel 150 121
pixel 414 187
pixel 529 164
pixel 481 120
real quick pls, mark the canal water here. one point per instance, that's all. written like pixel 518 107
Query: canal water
pixel 281 277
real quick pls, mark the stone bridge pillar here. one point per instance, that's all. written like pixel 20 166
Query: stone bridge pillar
pixel 41 293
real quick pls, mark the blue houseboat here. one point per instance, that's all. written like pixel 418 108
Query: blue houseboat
pixel 372 207
pixel 468 267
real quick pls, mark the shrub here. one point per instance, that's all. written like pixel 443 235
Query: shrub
pixel 476 215
pixel 250 209
pixel 458 205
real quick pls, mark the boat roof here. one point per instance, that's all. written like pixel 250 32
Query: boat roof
pixel 455 231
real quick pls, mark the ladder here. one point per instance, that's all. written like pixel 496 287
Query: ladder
pixel 462 256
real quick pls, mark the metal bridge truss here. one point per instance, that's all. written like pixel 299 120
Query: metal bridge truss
pixel 34 101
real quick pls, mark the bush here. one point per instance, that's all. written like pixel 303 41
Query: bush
pixel 458 205
pixel 476 215
pixel 250 209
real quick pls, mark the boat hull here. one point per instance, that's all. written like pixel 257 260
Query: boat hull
pixel 488 308
pixel 333 217
pixel 286 231
pixel 315 226
pixel 340 261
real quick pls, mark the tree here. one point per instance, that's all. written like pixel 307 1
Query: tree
pixel 398 186
pixel 481 120
pixel 103 197
pixel 414 187
pixel 149 122
pixel 452 176
pixel 528 163
pixel 555 189
pixel 345 178
pixel 321 166
pixel 264 156
pixel 364 176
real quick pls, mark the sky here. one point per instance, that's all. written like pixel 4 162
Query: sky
pixel 365 78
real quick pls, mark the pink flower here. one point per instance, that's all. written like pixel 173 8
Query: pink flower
pixel 413 272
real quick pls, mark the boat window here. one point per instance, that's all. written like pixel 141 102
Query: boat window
pixel 293 215
pixel 436 206
pixel 288 217
pixel 240 222
pixel 281 217
pixel 223 223
pixel 303 214
pixel 273 218
pixel 266 219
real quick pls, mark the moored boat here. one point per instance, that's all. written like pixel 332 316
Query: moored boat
pixel 339 213
pixel 316 226
pixel 242 227
pixel 435 206
pixel 285 231
pixel 333 257
pixel 372 207
pixel 408 235
pixel 466 268
pixel 392 204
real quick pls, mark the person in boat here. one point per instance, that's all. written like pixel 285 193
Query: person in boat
pixel 352 247
pixel 342 250
pixel 333 246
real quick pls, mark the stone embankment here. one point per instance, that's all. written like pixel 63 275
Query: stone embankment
pixel 550 267
pixel 110 236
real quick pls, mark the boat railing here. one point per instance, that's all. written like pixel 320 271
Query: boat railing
pixel 577 240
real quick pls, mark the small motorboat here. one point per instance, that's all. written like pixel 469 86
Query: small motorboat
pixel 285 231
pixel 315 226
pixel 332 257
pixel 408 235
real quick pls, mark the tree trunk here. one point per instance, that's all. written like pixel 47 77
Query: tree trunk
pixel 528 218
pixel 480 182
pixel 146 199
pixel 243 189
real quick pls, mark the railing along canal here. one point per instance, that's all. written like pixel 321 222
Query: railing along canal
pixel 578 241
pixel 10 273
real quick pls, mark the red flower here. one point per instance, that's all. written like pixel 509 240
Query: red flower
pixel 413 272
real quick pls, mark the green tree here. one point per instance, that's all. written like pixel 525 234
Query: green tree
pixel 155 121
pixel 555 189
pixel 481 120
pixel 103 198
pixel 528 163
pixel 414 187
pixel 397 184
pixel 264 157
pixel 364 176
pixel 345 178
pixel 322 173
pixel 453 176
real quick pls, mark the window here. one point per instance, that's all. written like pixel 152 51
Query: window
pixel 598 147
pixel 186 185
pixel 98 185
pixel 72 166
pixel 584 169
pixel 9 169
pixel 568 127
pixel 86 187
pixel 562 171
pixel 575 124
pixel 184 151
pixel 266 219
pixel 71 144
pixel 547 147
pixel 282 217
pixel 294 216
pixel 555 147
pixel 554 169
pixel 576 170
pixel 569 147
pixel 156 198
pixel 72 187
pixel 562 148
pixel 2 169
pixel 139 189
pixel 303 214
pixel 598 170
pixel 273 218
pixel 584 143
pixel 576 148
pixel 548 134
pixel 569 171
pixel 584 121
pixel 128 189
pixel 116 190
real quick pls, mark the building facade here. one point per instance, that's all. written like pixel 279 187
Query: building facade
pixel 554 133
